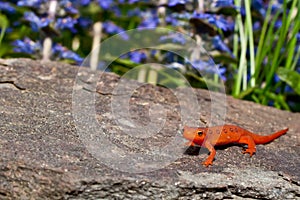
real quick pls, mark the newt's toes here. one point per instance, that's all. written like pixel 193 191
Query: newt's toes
pixel 251 152
pixel 206 164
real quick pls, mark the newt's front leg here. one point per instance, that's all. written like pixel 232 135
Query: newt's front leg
pixel 251 144
pixel 210 158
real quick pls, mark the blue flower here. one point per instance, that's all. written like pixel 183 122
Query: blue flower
pixel 287 88
pixel 221 23
pixel 171 57
pixel 201 15
pixel 224 3
pixel 111 28
pixel 203 66
pixel 105 4
pixel 217 21
pixel 278 23
pixel 65 53
pixel 84 2
pixel 150 20
pixel 220 45
pixel 134 12
pixel 115 10
pixel 257 26
pixel 84 22
pixel 137 56
pixel 36 23
pixel 276 7
pixel 5 6
pixel 30 3
pixel 172 3
pixel 66 23
pixel 298 37
pixel 171 20
pixel 132 1
pixel 26 46
pixel 68 7
pixel 208 67
pixel 175 37
pixel 259 5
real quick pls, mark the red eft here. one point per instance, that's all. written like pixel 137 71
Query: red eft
pixel 224 135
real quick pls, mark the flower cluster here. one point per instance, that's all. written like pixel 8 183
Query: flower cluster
pixel 69 24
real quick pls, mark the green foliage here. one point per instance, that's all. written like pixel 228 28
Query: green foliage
pixel 276 53
pixel 290 77
pixel 4 23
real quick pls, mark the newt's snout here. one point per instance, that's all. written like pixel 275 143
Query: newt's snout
pixel 192 133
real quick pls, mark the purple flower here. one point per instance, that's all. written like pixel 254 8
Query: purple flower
pixel 30 3
pixel 137 56
pixel 36 23
pixel 65 53
pixel 66 23
pixel 5 6
pixel 111 28
pixel 26 46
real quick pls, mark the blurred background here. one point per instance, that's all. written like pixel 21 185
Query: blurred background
pixel 254 45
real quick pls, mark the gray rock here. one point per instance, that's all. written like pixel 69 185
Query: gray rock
pixel 69 134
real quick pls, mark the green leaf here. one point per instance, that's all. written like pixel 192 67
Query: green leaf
pixel 292 78
pixel 224 58
pixel 3 25
pixel 3 21
pixel 229 11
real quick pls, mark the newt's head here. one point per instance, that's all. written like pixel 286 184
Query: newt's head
pixel 195 134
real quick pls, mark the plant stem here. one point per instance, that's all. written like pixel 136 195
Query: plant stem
pixel 251 42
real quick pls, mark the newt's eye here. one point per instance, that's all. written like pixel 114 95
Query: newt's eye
pixel 200 133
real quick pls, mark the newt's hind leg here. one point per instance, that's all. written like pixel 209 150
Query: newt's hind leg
pixel 251 149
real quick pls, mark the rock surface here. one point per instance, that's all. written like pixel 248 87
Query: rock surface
pixel 50 149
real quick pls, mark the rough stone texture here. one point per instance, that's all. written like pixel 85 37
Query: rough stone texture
pixel 43 157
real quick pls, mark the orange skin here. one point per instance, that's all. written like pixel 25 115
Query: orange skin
pixel 223 135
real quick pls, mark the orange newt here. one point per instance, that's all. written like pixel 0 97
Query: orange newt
pixel 223 135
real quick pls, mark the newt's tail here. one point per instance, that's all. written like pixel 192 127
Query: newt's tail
pixel 259 139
